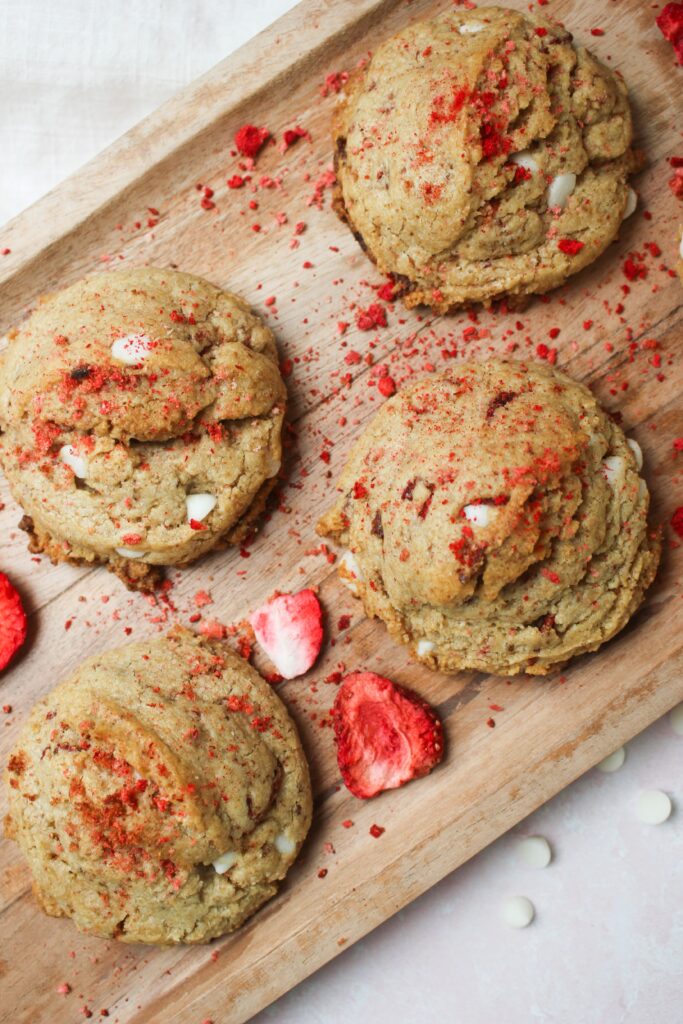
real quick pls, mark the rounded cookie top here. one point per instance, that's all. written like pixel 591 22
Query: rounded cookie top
pixel 496 518
pixel 141 413
pixel 482 153
pixel 160 793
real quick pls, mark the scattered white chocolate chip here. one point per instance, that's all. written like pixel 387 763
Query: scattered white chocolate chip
pixel 525 160
pixel 129 553
pixel 676 719
pixel 132 349
pixel 283 844
pixel 614 762
pixel 631 203
pixel 74 461
pixel 653 806
pixel 470 28
pixel 424 647
pixel 518 912
pixel 535 851
pixel 225 862
pixel 637 451
pixel 480 515
pixel 614 468
pixel 199 506
pixel 561 187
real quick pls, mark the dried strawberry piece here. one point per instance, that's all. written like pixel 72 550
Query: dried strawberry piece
pixel 670 24
pixel 12 622
pixel 249 139
pixel 289 629
pixel 386 735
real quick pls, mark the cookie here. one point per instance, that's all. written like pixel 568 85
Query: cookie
pixel 496 519
pixel 140 421
pixel 160 793
pixel 482 154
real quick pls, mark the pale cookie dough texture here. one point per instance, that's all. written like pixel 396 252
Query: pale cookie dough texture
pixel 482 154
pixel 140 421
pixel 160 793
pixel 496 520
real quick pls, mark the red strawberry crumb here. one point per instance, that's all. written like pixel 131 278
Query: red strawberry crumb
pixel 550 575
pixel 490 722
pixel 344 622
pixel 676 183
pixel 197 524
pixel 334 82
pixel 347 823
pixel 377 831
pixel 496 707
pixel 293 135
pixel 670 24
pixel 386 735
pixel 249 139
pixel 6 252
pixel 570 246
pixel 237 181
pixel 64 988
pixel 359 490
pixel 386 386
pixel 677 521
pixel 597 31
pixel 213 629
pixel 678 444
pixel 12 622
pixel 289 629
pixel 7 709
pixel 202 598
pixel 634 270
pixel 322 873
pixel 374 316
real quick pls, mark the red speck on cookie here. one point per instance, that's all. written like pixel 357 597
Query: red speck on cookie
pixel 12 622
pixel 570 246
pixel 670 24
pixel 386 735
pixel 249 139
pixel 289 629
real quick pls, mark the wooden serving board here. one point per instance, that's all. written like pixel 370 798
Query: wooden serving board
pixel 550 730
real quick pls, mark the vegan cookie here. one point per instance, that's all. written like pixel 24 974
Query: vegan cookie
pixel 160 793
pixel 140 421
pixel 483 154
pixel 496 519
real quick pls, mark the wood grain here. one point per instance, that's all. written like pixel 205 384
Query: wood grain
pixel 551 731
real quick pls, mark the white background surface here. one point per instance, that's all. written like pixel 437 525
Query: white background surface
pixel 607 943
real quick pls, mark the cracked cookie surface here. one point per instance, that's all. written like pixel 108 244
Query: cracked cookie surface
pixel 496 519
pixel 140 418
pixel 482 154
pixel 160 793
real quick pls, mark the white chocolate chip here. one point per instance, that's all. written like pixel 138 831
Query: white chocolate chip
pixel 351 572
pixel 74 461
pixel 535 851
pixel 614 468
pixel 560 189
pixel 225 862
pixel 283 844
pixel 129 553
pixel 676 719
pixel 653 807
pixel 199 506
pixel 614 762
pixel 637 451
pixel 631 203
pixel 480 515
pixel 524 160
pixel 424 647
pixel 470 28
pixel 132 349
pixel 518 912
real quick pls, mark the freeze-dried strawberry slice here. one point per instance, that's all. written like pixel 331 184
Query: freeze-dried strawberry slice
pixel 386 735
pixel 12 622
pixel 289 629
pixel 670 24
